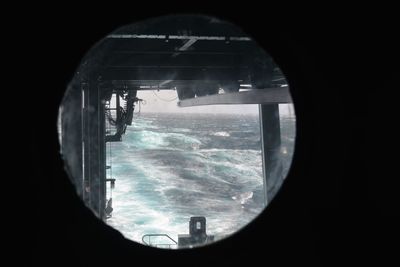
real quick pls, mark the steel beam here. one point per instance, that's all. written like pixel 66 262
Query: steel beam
pixel 71 144
pixel 94 149
pixel 175 73
pixel 279 95
pixel 271 148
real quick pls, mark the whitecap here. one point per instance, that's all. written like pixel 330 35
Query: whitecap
pixel 243 198
pixel 223 134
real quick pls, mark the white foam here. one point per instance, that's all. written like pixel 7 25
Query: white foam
pixel 224 134
pixel 147 193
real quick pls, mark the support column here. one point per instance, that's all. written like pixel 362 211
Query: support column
pixel 94 148
pixel 71 143
pixel 86 144
pixel 102 157
pixel 271 146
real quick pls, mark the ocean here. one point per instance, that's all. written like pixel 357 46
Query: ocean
pixel 170 167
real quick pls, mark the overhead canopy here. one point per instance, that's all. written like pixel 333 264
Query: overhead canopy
pixel 185 52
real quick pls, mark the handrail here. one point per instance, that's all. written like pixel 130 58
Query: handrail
pixel 150 235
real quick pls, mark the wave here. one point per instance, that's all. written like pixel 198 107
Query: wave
pixel 243 198
pixel 168 170
pixel 148 139
pixel 224 134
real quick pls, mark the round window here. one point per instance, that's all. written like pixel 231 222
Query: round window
pixel 177 131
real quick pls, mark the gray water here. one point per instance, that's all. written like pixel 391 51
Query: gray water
pixel 170 167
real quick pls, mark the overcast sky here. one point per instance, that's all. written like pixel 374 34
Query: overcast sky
pixel 166 101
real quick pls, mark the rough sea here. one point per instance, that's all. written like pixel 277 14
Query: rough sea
pixel 170 167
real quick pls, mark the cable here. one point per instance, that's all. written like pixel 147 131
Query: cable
pixel 140 101
pixel 111 176
pixel 109 126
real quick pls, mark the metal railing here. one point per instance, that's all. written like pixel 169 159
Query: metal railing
pixel 159 245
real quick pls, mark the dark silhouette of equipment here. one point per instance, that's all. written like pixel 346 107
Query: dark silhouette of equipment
pixel 124 114
pixel 109 208
pixel 197 233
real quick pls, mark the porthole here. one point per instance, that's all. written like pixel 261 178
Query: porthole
pixel 177 131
